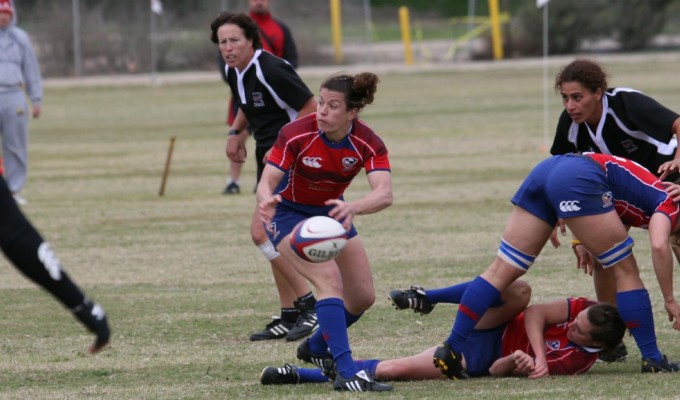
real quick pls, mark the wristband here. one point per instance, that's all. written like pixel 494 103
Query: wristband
pixel 233 132
pixel 575 243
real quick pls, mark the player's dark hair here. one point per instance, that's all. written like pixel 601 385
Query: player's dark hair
pixel 243 21
pixel 608 326
pixel 587 72
pixel 358 89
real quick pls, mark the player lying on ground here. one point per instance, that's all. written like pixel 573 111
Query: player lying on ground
pixel 581 191
pixel 573 331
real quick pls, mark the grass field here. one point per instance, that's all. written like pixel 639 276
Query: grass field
pixel 184 287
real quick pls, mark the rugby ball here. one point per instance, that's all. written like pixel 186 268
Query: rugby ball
pixel 318 239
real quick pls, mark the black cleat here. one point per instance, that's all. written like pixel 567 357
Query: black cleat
pixel 306 323
pixel 286 375
pixel 320 360
pixel 413 298
pixel 232 188
pixel 360 382
pixel 651 366
pixel 277 329
pixel 449 362
pixel 94 318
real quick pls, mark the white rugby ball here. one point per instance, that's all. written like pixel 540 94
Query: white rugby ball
pixel 318 239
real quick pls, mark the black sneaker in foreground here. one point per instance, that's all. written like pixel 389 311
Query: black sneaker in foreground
pixel 413 298
pixel 449 362
pixel 360 382
pixel 619 354
pixel 277 329
pixel 305 354
pixel 651 366
pixel 232 188
pixel 94 318
pixel 305 325
pixel 286 375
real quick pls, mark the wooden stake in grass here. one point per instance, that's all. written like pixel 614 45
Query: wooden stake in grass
pixel 167 166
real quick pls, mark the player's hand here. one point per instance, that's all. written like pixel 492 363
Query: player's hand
pixel 584 260
pixel 266 209
pixel 668 168
pixel 36 111
pixel 524 364
pixel 342 211
pixel 236 149
pixel 554 237
pixel 673 191
pixel 673 310
pixel 540 369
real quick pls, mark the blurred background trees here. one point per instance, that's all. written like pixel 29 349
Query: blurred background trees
pixel 116 35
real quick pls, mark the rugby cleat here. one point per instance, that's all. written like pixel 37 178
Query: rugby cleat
pixel 306 323
pixel 305 354
pixel 413 298
pixel 94 318
pixel 360 382
pixel 286 375
pixel 277 329
pixel 651 366
pixel 449 362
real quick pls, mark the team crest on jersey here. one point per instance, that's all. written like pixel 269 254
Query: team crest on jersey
pixel 607 199
pixel 274 230
pixel 349 162
pixel 552 344
pixel 629 146
pixel 258 99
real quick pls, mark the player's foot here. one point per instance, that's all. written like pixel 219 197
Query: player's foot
pixel 449 362
pixel 277 329
pixel 232 188
pixel 305 324
pixel 649 365
pixel 413 298
pixel 305 354
pixel 619 354
pixel 94 318
pixel 19 200
pixel 360 382
pixel 286 375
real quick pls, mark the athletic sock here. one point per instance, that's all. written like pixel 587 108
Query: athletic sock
pixel 331 313
pixel 289 315
pixel 478 297
pixel 635 308
pixel 306 302
pixel 452 294
pixel 369 366
pixel 311 375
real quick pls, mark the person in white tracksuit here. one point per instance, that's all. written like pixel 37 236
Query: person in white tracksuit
pixel 19 72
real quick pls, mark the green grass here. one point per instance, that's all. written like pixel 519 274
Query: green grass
pixel 184 287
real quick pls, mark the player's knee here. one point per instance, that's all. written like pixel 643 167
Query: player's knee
pixel 520 292
pixel 616 253
pixel 268 250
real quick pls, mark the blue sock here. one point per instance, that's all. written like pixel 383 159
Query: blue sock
pixel 452 294
pixel 331 315
pixel 369 366
pixel 636 310
pixel 311 375
pixel 478 297
pixel 316 342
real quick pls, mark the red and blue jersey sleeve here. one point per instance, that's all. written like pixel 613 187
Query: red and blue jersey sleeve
pixel 317 169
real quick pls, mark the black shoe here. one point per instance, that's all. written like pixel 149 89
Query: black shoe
pixel 649 365
pixel 619 354
pixel 305 324
pixel 286 375
pixel 277 329
pixel 232 188
pixel 449 362
pixel 94 318
pixel 360 382
pixel 413 298
pixel 305 354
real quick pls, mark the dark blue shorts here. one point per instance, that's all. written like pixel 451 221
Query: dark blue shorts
pixel 565 186
pixel 289 214
pixel 481 349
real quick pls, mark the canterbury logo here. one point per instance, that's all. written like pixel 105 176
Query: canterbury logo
pixel 570 205
pixel 314 162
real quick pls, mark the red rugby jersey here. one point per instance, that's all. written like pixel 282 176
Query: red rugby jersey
pixel 563 357
pixel 319 170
